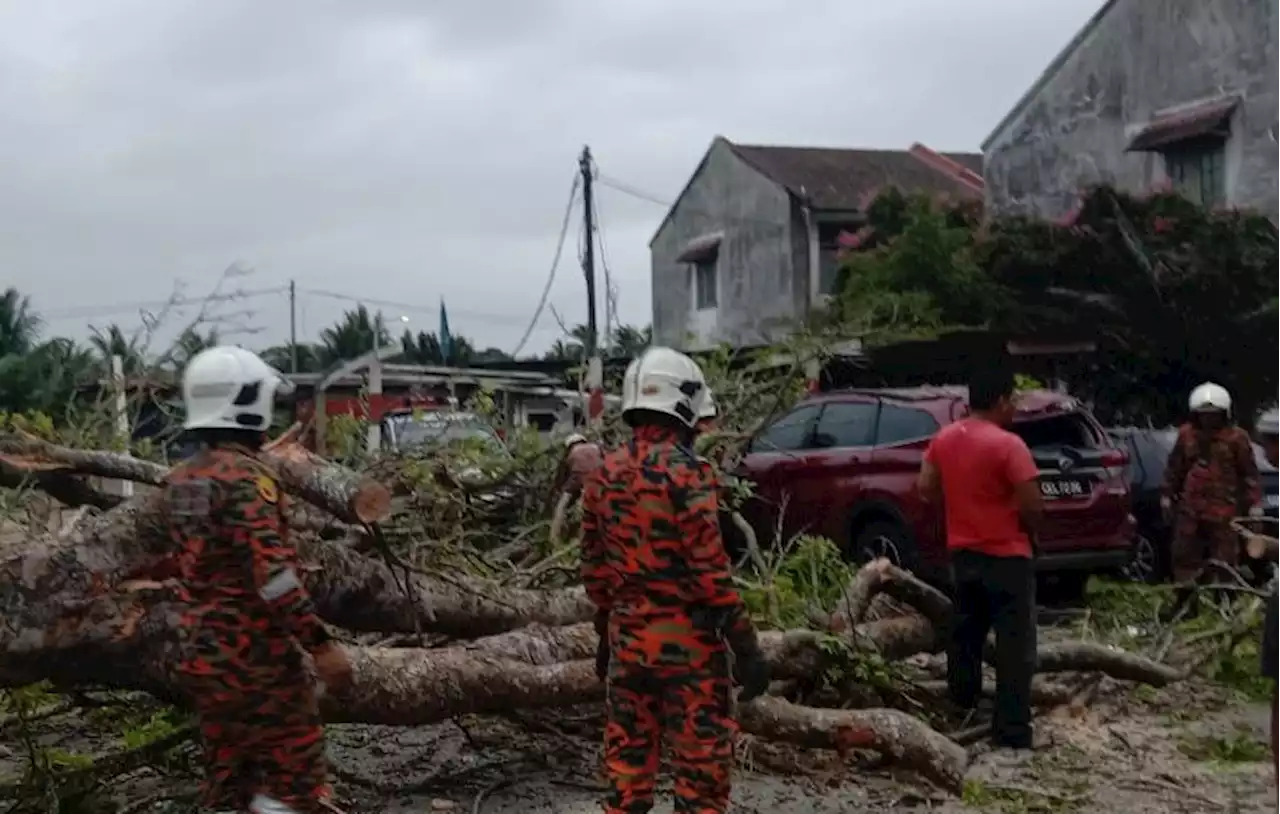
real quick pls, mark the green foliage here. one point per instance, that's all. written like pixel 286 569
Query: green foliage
pixel 1240 746
pixel 924 280
pixel 344 437
pixel 810 574
pixel 1174 291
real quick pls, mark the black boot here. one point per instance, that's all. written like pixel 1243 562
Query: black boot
pixel 1186 603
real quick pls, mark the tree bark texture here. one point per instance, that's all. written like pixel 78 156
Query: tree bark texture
pixel 347 495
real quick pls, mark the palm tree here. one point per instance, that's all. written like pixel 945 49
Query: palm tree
pixel 48 378
pixel 281 357
pixel 628 340
pixel 19 323
pixel 188 344
pixel 358 332
pixel 424 349
pixel 491 354
pixel 113 342
pixel 563 351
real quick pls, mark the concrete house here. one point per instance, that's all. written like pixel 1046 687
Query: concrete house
pixel 1148 93
pixel 749 246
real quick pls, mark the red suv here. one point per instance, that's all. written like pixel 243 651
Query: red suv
pixel 844 465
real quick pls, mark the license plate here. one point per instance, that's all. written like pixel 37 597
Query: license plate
pixel 1054 489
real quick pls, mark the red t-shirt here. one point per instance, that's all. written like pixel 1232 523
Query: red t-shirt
pixel 980 463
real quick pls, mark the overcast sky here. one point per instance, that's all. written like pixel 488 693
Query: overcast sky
pixel 410 150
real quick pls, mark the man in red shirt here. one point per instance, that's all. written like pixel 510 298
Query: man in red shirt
pixel 987 483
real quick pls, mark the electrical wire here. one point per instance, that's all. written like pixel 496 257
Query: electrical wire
pixel 91 311
pixel 555 263
pixel 400 306
pixel 611 319
pixel 639 194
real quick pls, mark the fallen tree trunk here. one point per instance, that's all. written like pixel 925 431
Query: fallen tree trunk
pixel 121 641
pixel 882 576
pixel 69 490
pixel 362 593
pixel 346 494
pixel 906 740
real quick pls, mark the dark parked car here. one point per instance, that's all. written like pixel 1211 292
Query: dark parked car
pixel 1148 453
pixel 844 465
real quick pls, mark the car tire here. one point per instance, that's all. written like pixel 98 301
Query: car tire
pixel 884 538
pixel 1148 564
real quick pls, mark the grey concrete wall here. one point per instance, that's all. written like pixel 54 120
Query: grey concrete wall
pixel 757 289
pixel 1143 56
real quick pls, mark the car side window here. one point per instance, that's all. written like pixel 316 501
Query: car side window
pixel 846 424
pixel 898 424
pixel 789 433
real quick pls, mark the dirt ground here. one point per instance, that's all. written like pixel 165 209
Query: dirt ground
pixel 1190 749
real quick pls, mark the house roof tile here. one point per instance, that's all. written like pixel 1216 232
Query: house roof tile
pixel 840 179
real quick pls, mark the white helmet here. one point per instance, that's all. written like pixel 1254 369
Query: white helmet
pixel 708 408
pixel 665 381
pixel 230 388
pixel 1209 396
pixel 574 439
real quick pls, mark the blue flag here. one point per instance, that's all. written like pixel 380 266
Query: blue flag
pixel 445 338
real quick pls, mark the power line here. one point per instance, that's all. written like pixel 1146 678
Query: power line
pixel 401 306
pixel 627 189
pixel 555 263
pixel 639 194
pixel 611 319
pixel 91 311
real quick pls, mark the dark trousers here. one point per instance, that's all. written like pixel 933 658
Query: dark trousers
pixel 1000 593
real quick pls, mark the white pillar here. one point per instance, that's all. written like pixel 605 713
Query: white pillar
pixel 120 422
pixel 375 395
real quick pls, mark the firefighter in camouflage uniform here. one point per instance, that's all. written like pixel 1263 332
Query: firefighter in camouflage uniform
pixel 673 627
pixel 1210 479
pixel 248 619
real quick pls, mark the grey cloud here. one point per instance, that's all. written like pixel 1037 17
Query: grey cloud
pixel 411 149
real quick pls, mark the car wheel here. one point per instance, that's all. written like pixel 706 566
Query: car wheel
pixel 1146 564
pixel 883 538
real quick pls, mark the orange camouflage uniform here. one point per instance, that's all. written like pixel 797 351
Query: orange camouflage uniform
pixel 653 560
pixel 1213 478
pixel 247 619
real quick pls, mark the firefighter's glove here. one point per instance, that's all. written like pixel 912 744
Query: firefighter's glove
pixel 602 645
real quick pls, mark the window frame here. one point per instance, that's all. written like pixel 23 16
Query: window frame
pixel 871 404
pixel 1201 154
pixel 805 442
pixel 911 439
pixel 710 268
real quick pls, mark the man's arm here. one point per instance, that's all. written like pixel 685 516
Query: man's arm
pixel 696 503
pixel 598 574
pixel 249 509
pixel 1024 475
pixel 1250 481
pixel 1175 471
pixel 930 483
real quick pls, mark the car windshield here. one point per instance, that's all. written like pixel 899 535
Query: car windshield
pixel 1066 430
pixel 442 428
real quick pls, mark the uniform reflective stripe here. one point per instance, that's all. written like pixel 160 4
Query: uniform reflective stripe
pixel 262 804
pixel 279 585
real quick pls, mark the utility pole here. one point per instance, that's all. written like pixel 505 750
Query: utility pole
pixel 293 327
pixel 595 366
pixel 588 252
